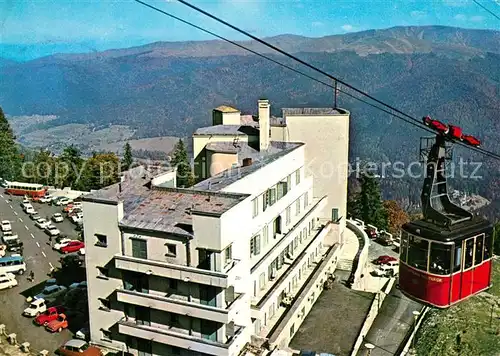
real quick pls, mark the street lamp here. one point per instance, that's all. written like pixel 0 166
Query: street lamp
pixel 369 347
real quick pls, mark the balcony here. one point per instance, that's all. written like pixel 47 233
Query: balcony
pixel 196 310
pixel 179 272
pixel 172 338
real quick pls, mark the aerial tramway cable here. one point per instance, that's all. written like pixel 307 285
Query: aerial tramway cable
pixel 400 114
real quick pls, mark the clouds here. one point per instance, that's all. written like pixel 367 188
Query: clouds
pixel 317 24
pixel 456 3
pixel 462 17
pixel 347 27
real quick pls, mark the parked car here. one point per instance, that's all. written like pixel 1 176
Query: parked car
pixel 7 280
pixel 390 269
pixel 42 223
pixel 6 225
pixel 77 218
pixel 69 261
pixel 46 199
pixel 60 243
pixel 52 230
pixel 58 324
pixel 83 333
pixel 77 347
pixel 35 217
pixel 57 217
pixel 384 259
pixel 37 307
pixel 63 201
pixel 50 314
pixel 73 246
pixel 51 292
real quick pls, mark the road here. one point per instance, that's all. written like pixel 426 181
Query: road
pixel 39 258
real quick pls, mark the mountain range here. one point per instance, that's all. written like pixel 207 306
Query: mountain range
pixel 170 88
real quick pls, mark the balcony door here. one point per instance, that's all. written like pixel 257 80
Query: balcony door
pixel 136 282
pixel 209 330
pixel 205 259
pixel 144 347
pixel 143 316
pixel 208 295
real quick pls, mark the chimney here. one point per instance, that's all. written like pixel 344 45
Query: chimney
pixel 247 162
pixel 264 117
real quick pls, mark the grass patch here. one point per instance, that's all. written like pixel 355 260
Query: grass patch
pixel 464 329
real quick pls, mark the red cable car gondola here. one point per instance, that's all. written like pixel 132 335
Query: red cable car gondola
pixel 447 256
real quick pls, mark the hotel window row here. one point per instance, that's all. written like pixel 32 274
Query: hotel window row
pixel 275 193
pixel 261 239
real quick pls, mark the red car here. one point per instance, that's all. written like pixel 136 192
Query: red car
pixel 382 260
pixel 73 246
pixel 436 125
pixel 50 314
pixel 471 140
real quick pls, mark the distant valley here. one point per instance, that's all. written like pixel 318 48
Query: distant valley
pixel 169 89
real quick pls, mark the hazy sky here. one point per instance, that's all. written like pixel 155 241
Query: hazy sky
pixel 34 28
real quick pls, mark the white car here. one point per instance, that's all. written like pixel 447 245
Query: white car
pixel 37 307
pixel 77 218
pixel 82 251
pixel 57 217
pixel 52 230
pixel 46 199
pixel 6 225
pixel 42 223
pixel 388 270
pixel 63 242
pixel 64 201
pixel 7 280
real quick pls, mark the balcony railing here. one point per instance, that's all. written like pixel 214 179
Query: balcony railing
pixel 172 338
pixel 179 272
pixel 182 307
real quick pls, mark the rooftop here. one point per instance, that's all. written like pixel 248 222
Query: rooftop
pixel 225 108
pixel 230 130
pixel 313 111
pixel 275 151
pixel 170 209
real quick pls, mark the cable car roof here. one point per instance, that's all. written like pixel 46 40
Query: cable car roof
pixel 431 231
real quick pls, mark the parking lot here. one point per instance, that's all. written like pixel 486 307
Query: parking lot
pixel 40 258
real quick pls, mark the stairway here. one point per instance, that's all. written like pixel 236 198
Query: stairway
pixel 345 264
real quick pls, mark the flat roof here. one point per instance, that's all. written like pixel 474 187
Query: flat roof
pixel 75 343
pixel 313 111
pixel 226 108
pixel 170 210
pixel 28 185
pixel 276 150
pixel 229 130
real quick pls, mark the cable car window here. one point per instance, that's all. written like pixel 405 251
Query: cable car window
pixel 404 246
pixel 418 250
pixel 440 259
pixel 479 250
pixel 457 264
pixel 469 253
pixel 488 245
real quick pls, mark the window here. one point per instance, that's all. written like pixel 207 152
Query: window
pixel 174 319
pixel 104 304
pixel 265 234
pixel 440 259
pixel 139 248
pixel 417 253
pixel 306 200
pixel 297 177
pixel 262 281
pixel 292 330
pixel 171 250
pixel 404 246
pixel 282 189
pixel 276 226
pixel 269 197
pixel 479 250
pixel 469 253
pixel 457 264
pixel 288 215
pixel 102 273
pixel 176 351
pixel 173 284
pixel 255 245
pixel 101 240
pixel 297 207
pixel 228 254
pixel 105 334
pixel 255 207
pixel 488 245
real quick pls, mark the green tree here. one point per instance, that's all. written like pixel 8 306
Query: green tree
pixel 69 168
pixel 180 160
pixel 127 157
pixel 367 204
pixel 10 159
pixel 101 170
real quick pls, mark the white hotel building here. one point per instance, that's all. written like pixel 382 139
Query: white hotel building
pixel 230 266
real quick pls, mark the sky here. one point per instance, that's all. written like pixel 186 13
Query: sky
pixel 36 28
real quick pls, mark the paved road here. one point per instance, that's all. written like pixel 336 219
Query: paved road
pixel 392 323
pixel 39 256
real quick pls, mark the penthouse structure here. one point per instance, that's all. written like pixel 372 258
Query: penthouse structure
pixel 229 266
